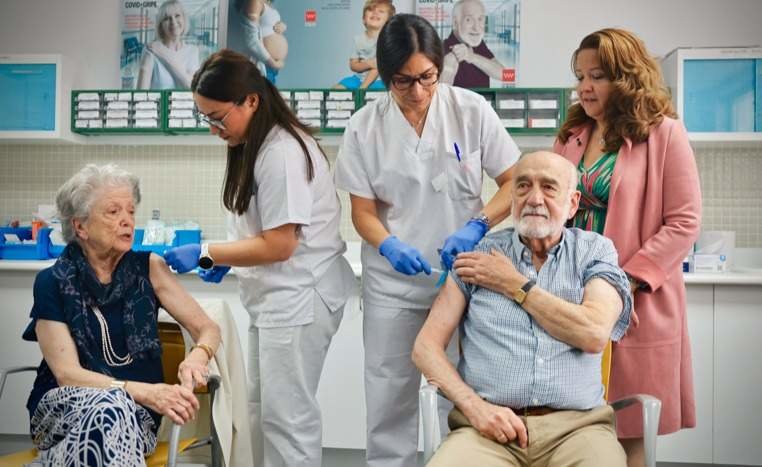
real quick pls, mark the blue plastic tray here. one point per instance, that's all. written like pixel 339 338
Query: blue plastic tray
pixel 38 250
pixel 43 249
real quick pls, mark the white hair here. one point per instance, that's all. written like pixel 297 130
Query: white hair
pixel 459 6
pixel 76 196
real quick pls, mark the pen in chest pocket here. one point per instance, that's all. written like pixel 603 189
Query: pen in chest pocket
pixel 457 151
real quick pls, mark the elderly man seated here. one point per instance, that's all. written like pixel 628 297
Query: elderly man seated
pixel 536 306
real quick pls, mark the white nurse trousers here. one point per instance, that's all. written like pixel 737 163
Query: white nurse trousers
pixel 392 382
pixel 284 370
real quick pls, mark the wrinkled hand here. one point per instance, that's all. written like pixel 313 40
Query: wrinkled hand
pixel 175 401
pixel 462 52
pixel 403 258
pixel 464 239
pixel 496 423
pixel 192 373
pixel 214 275
pixel 183 258
pixel 493 271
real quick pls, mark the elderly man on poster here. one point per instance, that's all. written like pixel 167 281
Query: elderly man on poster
pixel 469 63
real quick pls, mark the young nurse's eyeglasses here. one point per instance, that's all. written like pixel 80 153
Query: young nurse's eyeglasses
pixel 217 123
pixel 426 79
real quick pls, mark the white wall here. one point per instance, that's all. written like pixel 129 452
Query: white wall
pixel 87 32
pixel 552 29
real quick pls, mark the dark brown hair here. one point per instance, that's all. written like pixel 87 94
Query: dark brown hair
pixel 228 76
pixel 401 37
pixel 638 100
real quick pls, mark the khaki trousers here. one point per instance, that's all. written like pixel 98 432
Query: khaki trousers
pixel 558 439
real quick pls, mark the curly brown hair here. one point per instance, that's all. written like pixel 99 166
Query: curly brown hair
pixel 639 98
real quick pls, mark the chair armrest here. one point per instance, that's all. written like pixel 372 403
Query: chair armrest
pixel 432 437
pixel 174 435
pixel 651 413
pixel 15 369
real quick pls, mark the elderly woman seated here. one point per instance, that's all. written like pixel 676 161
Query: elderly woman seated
pixel 99 394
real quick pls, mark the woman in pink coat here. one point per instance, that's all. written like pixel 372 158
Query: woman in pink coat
pixel 640 188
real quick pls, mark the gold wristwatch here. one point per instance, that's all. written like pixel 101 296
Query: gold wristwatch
pixel 521 294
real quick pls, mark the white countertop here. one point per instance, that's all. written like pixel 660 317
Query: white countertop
pixel 741 276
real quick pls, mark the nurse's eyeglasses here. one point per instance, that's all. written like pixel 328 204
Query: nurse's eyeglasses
pixel 405 82
pixel 217 123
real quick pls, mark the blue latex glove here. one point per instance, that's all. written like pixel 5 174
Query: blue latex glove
pixel 183 258
pixel 403 258
pixel 464 239
pixel 213 275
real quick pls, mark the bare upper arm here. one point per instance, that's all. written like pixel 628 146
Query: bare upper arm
pixel 57 346
pixel 282 239
pixel 604 302
pixel 505 177
pixel 175 299
pixel 445 315
pixel 363 205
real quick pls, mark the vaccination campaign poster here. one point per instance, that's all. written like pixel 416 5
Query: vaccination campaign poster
pixel 481 39
pixel 165 41
pixel 304 43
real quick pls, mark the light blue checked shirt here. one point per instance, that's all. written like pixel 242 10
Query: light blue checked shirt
pixel 508 359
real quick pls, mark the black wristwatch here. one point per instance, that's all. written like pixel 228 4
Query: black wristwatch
pixel 522 293
pixel 205 261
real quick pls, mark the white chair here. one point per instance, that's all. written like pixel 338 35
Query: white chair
pixel 651 411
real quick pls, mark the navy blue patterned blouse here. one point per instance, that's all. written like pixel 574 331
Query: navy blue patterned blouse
pixel 48 305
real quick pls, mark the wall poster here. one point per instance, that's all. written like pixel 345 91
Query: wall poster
pixel 165 41
pixel 481 39
pixel 309 43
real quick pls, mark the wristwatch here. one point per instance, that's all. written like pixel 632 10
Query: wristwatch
pixel 205 261
pixel 481 217
pixel 521 294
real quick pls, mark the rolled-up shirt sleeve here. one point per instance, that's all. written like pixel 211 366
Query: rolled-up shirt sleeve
pixel 605 266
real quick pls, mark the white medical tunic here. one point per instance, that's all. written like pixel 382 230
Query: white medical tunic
pixel 282 294
pixel 426 191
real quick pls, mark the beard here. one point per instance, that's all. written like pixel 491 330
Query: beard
pixel 537 227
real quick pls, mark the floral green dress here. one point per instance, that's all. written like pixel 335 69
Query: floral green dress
pixel 594 184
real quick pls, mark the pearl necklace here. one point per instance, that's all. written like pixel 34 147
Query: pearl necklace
pixel 109 355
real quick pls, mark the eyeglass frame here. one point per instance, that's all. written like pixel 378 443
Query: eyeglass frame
pixel 413 80
pixel 217 123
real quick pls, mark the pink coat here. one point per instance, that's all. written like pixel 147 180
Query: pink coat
pixel 654 216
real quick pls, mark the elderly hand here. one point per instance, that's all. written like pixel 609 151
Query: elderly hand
pixel 214 275
pixel 403 258
pixel 192 373
pixel 183 258
pixel 464 239
pixel 175 401
pixel 462 52
pixel 493 271
pixel 495 422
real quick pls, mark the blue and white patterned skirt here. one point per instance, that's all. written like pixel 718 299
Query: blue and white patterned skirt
pixel 76 426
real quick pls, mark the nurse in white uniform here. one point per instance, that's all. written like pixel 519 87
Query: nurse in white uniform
pixel 412 162
pixel 285 247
